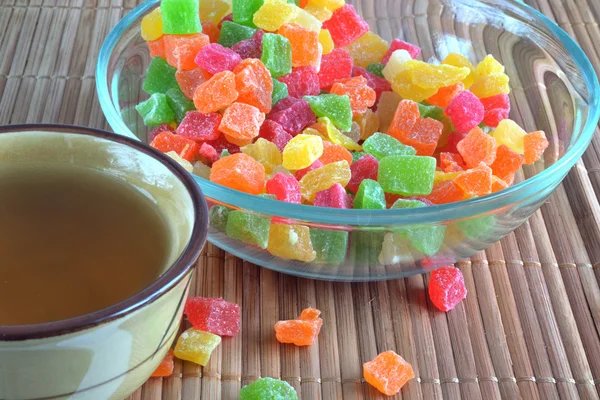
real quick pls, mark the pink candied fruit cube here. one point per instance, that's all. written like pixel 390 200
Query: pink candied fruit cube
pixel 398 44
pixel 335 66
pixel 283 104
pixel 208 155
pixel 295 118
pixel 302 81
pixel 215 58
pixel 465 111
pixel 345 26
pixel 213 315
pixel 378 84
pixel 301 172
pixel 200 127
pixel 496 109
pixel 365 168
pixel 250 48
pixel 285 188
pixel 334 197
pixel 273 132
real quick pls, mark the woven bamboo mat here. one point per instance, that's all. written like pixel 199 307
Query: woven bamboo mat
pixel 529 327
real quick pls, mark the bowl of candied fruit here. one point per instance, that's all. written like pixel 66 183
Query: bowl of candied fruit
pixel 365 140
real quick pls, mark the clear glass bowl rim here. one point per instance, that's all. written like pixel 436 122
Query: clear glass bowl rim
pixel 434 214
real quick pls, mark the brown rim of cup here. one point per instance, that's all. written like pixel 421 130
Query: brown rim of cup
pixel 158 288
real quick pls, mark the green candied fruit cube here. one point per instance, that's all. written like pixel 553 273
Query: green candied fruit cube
pixel 370 196
pixel 365 247
pixel 429 111
pixel 425 238
pixel 179 103
pixel 478 227
pixel 280 91
pixel 248 228
pixel 336 108
pixel 243 11
pixel 357 155
pixel 232 33
pixel 331 245
pixel 156 110
pixel 160 77
pixel 180 17
pixel 217 216
pixel 381 145
pixel 268 388
pixel 406 175
pixel 376 69
pixel 276 54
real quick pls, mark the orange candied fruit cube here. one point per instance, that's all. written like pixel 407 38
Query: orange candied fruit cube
pixel 388 372
pixel 535 143
pixel 507 162
pixel 157 47
pixel 477 147
pixel 167 141
pixel 452 162
pixel 254 84
pixel 305 45
pixel 444 95
pixel 181 50
pixel 405 117
pixel 424 136
pixel 446 192
pixel 361 95
pixel 302 331
pixel 210 29
pixel 166 366
pixel 334 152
pixel 498 184
pixel 216 93
pixel 190 79
pixel 241 122
pixel 475 181
pixel 240 172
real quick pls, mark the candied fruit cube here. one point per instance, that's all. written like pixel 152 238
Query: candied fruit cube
pixel 215 58
pixel 156 110
pixel 302 151
pixel 285 188
pixel 302 331
pixel 200 127
pixel 447 288
pixel 336 108
pixel 388 372
pixel 254 84
pixel 265 153
pixel 196 346
pixel 334 197
pixel 232 33
pixel 534 144
pixel 273 14
pixel 330 245
pixel 291 242
pixel 268 388
pixel 241 122
pixel 160 77
pixel 248 228
pixel 465 111
pixel 216 93
pixel 302 81
pixel 334 66
pixel 381 145
pixel 189 80
pixel 406 175
pixel 166 366
pixel 477 147
pixel 181 50
pixel 151 26
pixel 305 45
pixel 370 196
pixel 240 172
pixel 367 49
pixel 510 134
pixel 345 25
pixel 180 16
pixel 323 178
pixel 243 11
pixel 361 95
pixel 475 181
pixel 213 315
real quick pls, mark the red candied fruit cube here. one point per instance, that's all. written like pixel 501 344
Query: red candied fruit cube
pixel 365 168
pixel 161 128
pixel 345 26
pixel 221 144
pixel 447 288
pixel 302 81
pixel 250 48
pixel 273 132
pixel 334 197
pixel 496 109
pixel 213 315
pixel 200 127
pixel 453 139
pixel 452 162
pixel 208 154
pixel 295 118
pixel 215 58
pixel 282 105
pixel 301 172
pixel 378 84
pixel 334 66
pixel 167 141
pixel 465 111
pixel 398 44
pixel 285 188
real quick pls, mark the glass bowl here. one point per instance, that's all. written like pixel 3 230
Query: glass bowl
pixel 554 88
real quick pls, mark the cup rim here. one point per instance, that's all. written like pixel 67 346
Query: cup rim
pixel 170 278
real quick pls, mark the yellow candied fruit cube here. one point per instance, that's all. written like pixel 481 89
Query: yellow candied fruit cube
pixel 489 65
pixel 201 170
pixel 441 176
pixel 274 13
pixel 386 108
pixel 291 242
pixel 323 178
pixel 404 85
pixel 326 41
pixel 509 133
pixel 196 346
pixel 338 137
pixel 307 20
pixel 458 60
pixel 395 249
pixel 265 152
pixel 181 161
pixel 329 4
pixel 491 85
pixel 367 49
pixel 395 64
pixel 368 122
pixel 302 151
pixel 319 12
pixel 432 76
pixel 151 25
pixel 214 10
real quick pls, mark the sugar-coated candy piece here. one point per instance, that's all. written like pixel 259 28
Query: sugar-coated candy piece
pixel 388 372
pixel 370 196
pixel 330 245
pixel 534 143
pixel 265 153
pixel 491 85
pixel 151 26
pixel 477 147
pixel 376 68
pixel 243 11
pixel 452 141
pixel 189 80
pixel 280 91
pixel 216 93
pixel 181 50
pixel 378 84
pixel 386 109
pixel 274 13
pixel 466 111
pixel 221 144
pixel 368 123
pixel 331 5
pixel 334 66
pixel 207 154
pixel 452 162
pixel 241 122
pixel 305 45
pixel 302 331
pixel 217 215
pixel 336 136
pixel 489 65
pixel 159 129
pixel 496 109
pixel 213 315
pixel 213 10
pixel 334 197
pixel 394 249
pixel 180 16
pixel 446 192
pixel 302 81
pixel 248 228
pixel 424 136
pixel 435 76
pixel 308 18
pixel 345 26
pixel 301 172
pixel 395 64
pixel 506 163
pixel 433 112
pixel 380 145
pixel 156 110
pixel 226 18
pixel 184 147
pixel 398 44
pixel 215 58
pixel 273 132
pixel 475 181
pixel 166 366
pixel 250 48
pixel 406 175
pixel 302 151
pixel 200 127
pixel 336 108
pixel 440 176
pixel 444 95
pixel 285 188
pixel 323 178
pixel 295 117
pixel 361 95
pixel 232 33
pixel 181 161
pixel 284 104
pixel 157 47
pixel 326 41
pixel 334 152
pixel 458 60
pixel 160 77
pixel 254 84
pixel 268 388
pixel 447 288
pixel 510 134
pixel 364 168
pixel 196 346
pixel 498 184
pixel 211 30
pixel 179 103
pixel 291 242
pixel 240 172
pixel 367 49
pixel 405 117
pixel 276 54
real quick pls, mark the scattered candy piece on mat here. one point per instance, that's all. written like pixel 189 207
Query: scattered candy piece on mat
pixel 302 331
pixel 196 346
pixel 213 315
pixel 447 288
pixel 388 372
pixel 268 388
pixel 166 366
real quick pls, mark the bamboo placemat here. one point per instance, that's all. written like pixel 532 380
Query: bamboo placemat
pixel 529 327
